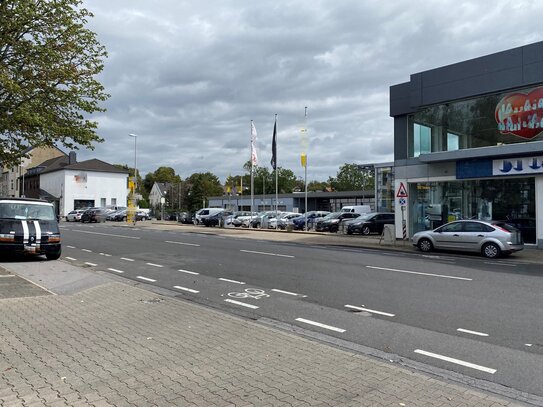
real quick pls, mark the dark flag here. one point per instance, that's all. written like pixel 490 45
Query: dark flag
pixel 274 147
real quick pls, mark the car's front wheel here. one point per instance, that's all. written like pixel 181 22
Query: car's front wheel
pixel 491 250
pixel 366 230
pixel 53 256
pixel 425 245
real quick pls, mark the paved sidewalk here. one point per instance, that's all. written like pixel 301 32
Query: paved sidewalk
pixel 110 343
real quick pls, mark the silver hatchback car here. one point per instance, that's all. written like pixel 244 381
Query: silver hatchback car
pixel 492 239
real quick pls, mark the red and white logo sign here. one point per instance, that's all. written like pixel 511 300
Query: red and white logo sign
pixel 521 114
pixel 402 192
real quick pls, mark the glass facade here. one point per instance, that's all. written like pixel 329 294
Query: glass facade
pixel 511 199
pixel 384 189
pixel 503 118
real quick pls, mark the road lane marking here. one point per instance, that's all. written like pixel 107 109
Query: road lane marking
pixel 70 258
pixel 190 290
pixel 371 311
pixel 528 344
pixel 183 243
pixel 9 275
pixel 500 264
pixel 105 254
pixel 231 281
pixel 91 264
pixel 286 292
pixel 127 259
pixel 107 234
pixel 71 247
pixel 467 331
pixel 331 328
pixel 154 265
pixel 146 279
pixel 115 270
pixel 241 303
pixel 267 254
pixel 420 273
pixel 87 250
pixel 189 272
pixel 456 361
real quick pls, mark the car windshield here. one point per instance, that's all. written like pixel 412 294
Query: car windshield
pixel 332 215
pixel 26 211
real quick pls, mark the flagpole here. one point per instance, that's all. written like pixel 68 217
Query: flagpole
pixel 305 166
pixel 276 175
pixel 252 171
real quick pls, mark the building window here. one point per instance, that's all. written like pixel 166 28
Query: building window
pixel 114 201
pixel 102 202
pixel 422 139
pixel 453 142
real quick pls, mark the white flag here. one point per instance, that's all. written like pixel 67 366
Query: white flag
pixel 254 157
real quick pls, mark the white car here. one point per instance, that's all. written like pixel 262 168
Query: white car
pixel 283 220
pixel 74 216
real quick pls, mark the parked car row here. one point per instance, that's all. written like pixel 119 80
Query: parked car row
pixel 98 215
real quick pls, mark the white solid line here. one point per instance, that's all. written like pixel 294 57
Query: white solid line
pixel 420 273
pixel 70 258
pixel 188 272
pixel 190 290
pixel 231 281
pixel 242 304
pixel 283 292
pixel 146 279
pixel 267 254
pixel 87 250
pixel 372 311
pixel 71 247
pixel 127 259
pixel 91 264
pixel 456 361
pixel 116 271
pixel 154 265
pixel 8 275
pixel 332 328
pixel 471 332
pixel 182 243
pixel 106 234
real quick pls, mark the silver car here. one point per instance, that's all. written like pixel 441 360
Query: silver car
pixel 492 239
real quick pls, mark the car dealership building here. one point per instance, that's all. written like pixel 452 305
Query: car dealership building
pixel 468 143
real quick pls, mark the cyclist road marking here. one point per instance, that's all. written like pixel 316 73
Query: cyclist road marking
pixel 127 259
pixel 190 290
pixel 420 273
pixel 332 328
pixel 467 331
pixel 91 264
pixel 146 279
pixel 154 265
pixel 70 258
pixel 183 243
pixel 189 272
pixel 456 361
pixel 231 281
pixel 106 234
pixel 241 303
pixel 267 254
pixel 115 270
pixel 371 311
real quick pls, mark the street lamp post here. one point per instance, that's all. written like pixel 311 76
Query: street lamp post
pixel 134 200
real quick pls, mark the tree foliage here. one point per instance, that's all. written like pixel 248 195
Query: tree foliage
pixel 200 187
pixel 162 174
pixel 351 178
pixel 48 61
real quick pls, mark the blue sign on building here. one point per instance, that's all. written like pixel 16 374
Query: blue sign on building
pixel 475 168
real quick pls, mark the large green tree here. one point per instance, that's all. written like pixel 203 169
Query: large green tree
pixel 351 177
pixel 48 64
pixel 161 174
pixel 200 187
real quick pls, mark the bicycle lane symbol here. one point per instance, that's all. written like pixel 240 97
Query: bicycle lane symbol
pixel 254 293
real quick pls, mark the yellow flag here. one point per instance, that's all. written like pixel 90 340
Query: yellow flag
pixel 304 159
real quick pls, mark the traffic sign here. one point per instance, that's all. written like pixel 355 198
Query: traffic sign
pixel 402 201
pixel 402 192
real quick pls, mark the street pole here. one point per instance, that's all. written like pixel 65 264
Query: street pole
pixel 132 213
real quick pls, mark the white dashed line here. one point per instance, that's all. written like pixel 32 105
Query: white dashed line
pixel 231 281
pixel 371 311
pixel 241 303
pixel 106 234
pixel 467 331
pixel 183 243
pixel 105 254
pixel 71 247
pixel 115 270
pixel 331 328
pixel 154 265
pixel 267 254
pixel 87 250
pixel 70 258
pixel 91 264
pixel 500 264
pixel 188 272
pixel 285 292
pixel 127 259
pixel 420 273
pixel 190 290
pixel 456 361
pixel 146 279
pixel 528 344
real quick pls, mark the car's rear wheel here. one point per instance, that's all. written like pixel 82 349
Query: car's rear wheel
pixel 366 230
pixel 491 250
pixel 425 245
pixel 53 256
pixel 334 229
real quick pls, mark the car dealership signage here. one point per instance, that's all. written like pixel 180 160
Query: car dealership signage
pixel 521 114
pixel 518 166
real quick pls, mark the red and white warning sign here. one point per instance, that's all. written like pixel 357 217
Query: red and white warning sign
pixel 402 192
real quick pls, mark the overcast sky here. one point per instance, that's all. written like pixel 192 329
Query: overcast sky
pixel 188 76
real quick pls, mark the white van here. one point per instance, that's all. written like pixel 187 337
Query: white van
pixel 204 213
pixel 357 209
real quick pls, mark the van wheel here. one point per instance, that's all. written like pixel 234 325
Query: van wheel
pixel 425 245
pixel 491 250
pixel 53 256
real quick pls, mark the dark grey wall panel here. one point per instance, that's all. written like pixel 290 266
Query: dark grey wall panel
pixel 400 138
pixel 399 99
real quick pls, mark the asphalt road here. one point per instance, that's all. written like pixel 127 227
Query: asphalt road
pixel 465 314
